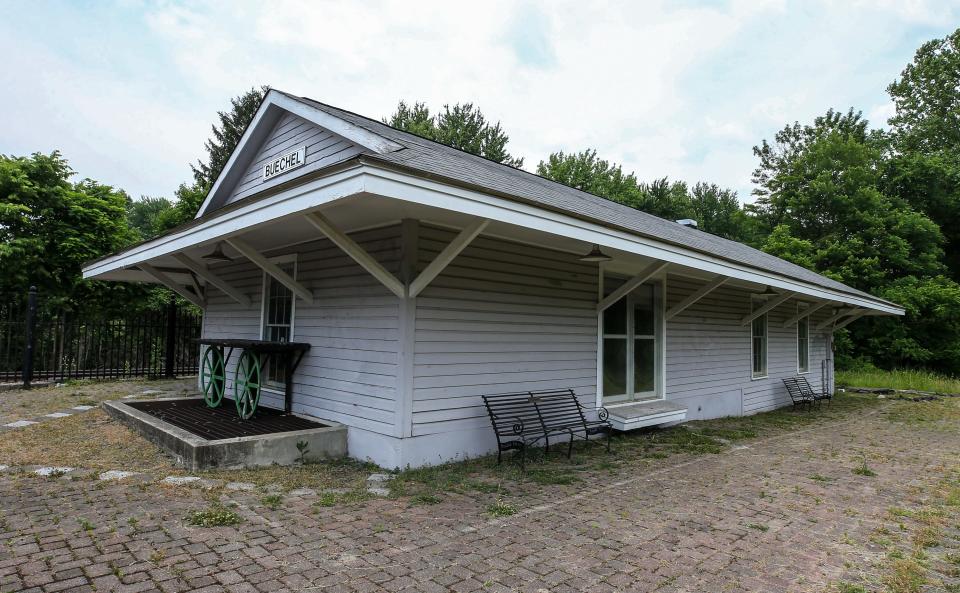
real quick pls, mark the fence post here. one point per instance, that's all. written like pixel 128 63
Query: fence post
pixel 171 353
pixel 30 338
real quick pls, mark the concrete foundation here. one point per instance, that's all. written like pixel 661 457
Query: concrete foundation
pixel 195 453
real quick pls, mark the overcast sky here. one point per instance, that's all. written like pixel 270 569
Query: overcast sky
pixel 127 90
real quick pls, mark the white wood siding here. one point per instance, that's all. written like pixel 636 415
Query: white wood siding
pixel 349 374
pixel 708 353
pixel 502 317
pixel 324 148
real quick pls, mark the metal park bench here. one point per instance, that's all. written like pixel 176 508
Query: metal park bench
pixel 807 390
pixel 797 396
pixel 522 419
pixel 802 393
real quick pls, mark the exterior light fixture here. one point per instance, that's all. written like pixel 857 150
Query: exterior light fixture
pixel 217 255
pixel 596 255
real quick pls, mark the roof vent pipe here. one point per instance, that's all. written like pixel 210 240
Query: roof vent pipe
pixel 688 222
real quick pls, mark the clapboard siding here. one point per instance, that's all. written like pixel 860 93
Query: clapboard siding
pixel 350 373
pixel 501 317
pixel 708 355
pixel 324 148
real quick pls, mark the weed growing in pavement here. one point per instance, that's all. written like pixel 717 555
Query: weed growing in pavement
pixel 501 508
pixel 863 469
pixel 214 516
pixel 272 501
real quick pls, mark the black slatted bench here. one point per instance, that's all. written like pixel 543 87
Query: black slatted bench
pixel 525 418
pixel 808 391
pixel 797 396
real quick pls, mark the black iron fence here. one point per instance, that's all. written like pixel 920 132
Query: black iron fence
pixel 37 343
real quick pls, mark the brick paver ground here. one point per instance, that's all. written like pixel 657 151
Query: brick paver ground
pixel 783 514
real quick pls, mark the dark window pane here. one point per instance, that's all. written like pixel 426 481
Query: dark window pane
pixel 643 316
pixel 615 318
pixel 614 366
pixel 644 365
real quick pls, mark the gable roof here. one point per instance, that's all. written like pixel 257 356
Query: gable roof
pixel 456 166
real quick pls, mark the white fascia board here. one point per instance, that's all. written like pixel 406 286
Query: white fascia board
pixel 277 100
pixel 398 185
pixel 301 198
pixel 393 184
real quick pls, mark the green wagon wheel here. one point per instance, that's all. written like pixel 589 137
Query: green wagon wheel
pixel 246 385
pixel 213 376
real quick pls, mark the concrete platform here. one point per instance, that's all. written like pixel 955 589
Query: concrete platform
pixel 196 453
pixel 649 413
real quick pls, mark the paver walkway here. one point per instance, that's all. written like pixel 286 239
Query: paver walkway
pixel 784 514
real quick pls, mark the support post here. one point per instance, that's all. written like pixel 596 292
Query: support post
pixel 170 354
pixel 30 337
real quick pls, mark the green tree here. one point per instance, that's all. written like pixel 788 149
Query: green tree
pixel 785 246
pixel 716 210
pixel 462 126
pixel 827 189
pixel 929 334
pixel 586 172
pixel 188 199
pixel 927 98
pixel 226 135
pixel 50 226
pixel 667 199
pixel 925 166
pixel 227 132
pixel 145 216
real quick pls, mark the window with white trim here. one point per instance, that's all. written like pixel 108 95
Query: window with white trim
pixel 631 347
pixel 758 343
pixel 278 309
pixel 803 342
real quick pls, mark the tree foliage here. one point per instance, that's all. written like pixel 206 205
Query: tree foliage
pixel 462 126
pixel 50 226
pixel 226 135
pixel 927 98
pixel 145 216
pixel 715 209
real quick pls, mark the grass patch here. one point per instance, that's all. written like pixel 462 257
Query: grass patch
pixel 501 509
pixel 819 478
pixel 552 476
pixel 272 501
pixel 21 404
pixel 902 379
pixel 426 499
pixel 850 588
pixel 906 576
pixel 863 469
pixel 759 527
pixel 214 516
pixel 332 499
pixel 95 442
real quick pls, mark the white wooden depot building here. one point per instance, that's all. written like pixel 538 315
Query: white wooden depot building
pixel 423 277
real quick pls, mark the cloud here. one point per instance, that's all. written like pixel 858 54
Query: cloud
pixel 677 89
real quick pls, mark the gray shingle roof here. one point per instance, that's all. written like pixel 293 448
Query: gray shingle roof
pixel 437 159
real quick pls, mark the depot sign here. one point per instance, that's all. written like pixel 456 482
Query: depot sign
pixel 285 163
